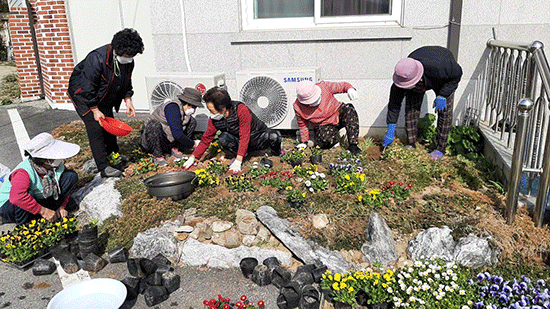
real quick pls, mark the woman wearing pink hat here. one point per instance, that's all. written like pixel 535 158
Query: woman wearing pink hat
pixel 427 68
pixel 316 105
pixel 40 186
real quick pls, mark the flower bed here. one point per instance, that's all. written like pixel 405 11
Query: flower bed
pixel 25 242
pixel 225 303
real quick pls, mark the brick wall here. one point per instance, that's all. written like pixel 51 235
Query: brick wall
pixel 54 49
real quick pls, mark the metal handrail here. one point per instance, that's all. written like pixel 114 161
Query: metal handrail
pixel 520 73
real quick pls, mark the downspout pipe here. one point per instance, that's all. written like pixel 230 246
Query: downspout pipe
pixel 455 19
pixel 35 48
pixel 184 30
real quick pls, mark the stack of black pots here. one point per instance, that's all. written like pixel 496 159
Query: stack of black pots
pixel 301 290
pixel 87 240
pixel 154 278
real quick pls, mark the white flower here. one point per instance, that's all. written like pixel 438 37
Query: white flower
pixel 437 276
pixel 322 175
pixel 311 190
pixel 308 183
pixel 389 289
pixel 461 292
pixel 313 176
pixel 465 307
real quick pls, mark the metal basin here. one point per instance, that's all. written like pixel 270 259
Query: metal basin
pixel 176 185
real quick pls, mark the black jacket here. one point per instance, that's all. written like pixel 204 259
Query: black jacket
pixel 441 71
pixel 231 123
pixel 91 81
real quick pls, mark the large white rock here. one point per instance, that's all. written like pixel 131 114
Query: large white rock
pixel 99 199
pixel 380 246
pixel 195 253
pixel 475 252
pixel 157 240
pixel 433 242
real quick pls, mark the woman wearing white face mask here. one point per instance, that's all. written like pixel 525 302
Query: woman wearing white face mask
pixel 241 130
pixel 100 83
pixel 170 127
pixel 40 186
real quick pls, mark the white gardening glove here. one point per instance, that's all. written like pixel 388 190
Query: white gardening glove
pixel 352 94
pixel 301 146
pixel 235 167
pixel 189 162
pixel 197 142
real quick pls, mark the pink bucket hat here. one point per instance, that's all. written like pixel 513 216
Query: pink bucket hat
pixel 308 92
pixel 408 72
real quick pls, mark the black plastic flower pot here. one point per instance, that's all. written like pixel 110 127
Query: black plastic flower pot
pixel 379 306
pixel 43 267
pixel 341 305
pixel 296 204
pixel 311 298
pixel 247 266
pixel 280 277
pixel 117 255
pixel 271 263
pixel 295 163
pixel 261 275
pixel 289 297
pixel 303 278
pixel 316 159
pixel 147 266
pixel 132 287
pixel 318 273
pixel 88 232
pixel 265 162
pixel 327 293
pixel 362 298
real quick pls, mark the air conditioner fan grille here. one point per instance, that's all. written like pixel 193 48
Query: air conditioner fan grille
pixel 263 86
pixel 163 91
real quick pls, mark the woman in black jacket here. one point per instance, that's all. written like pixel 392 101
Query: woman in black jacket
pixel 100 82
pixel 427 68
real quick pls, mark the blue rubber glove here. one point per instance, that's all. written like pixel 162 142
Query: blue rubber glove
pixel 440 103
pixel 388 139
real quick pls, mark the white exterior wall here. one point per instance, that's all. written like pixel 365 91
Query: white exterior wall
pixel 363 56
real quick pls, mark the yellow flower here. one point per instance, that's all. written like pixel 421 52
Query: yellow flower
pixel 343 285
pixel 347 177
pixel 350 290
pixel 335 286
pixel 360 198
pixel 65 226
pixel 337 276
pixel 288 188
pixel 304 194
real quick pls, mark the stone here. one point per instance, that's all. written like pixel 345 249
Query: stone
pixel 43 267
pixel 319 221
pixel 93 263
pixel 475 252
pixel 380 246
pixel 246 221
pixel 155 295
pixel 433 242
pixel 232 239
pixel 195 253
pixel 263 234
pixel 99 199
pixel 90 167
pixel 249 240
pixel 171 281
pixel 202 232
pixel 184 229
pixel 157 240
pixel 181 236
pixel 221 226
pixel 301 248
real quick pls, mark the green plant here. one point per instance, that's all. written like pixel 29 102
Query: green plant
pixel 214 148
pixel 240 183
pixel 372 197
pixel 399 191
pixel 114 158
pixel 295 195
pixel 216 167
pixel 293 155
pixel 255 172
pixel 316 151
pixel 465 141
pixel 6 102
pixel 304 172
pixel 350 183
pixel 427 130
pixel 378 286
pixel 316 182
pixel 145 165
pixel 279 180
pixel 206 179
pixel 26 241
pixel 343 286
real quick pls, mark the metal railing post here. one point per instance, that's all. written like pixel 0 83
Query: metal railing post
pixel 524 107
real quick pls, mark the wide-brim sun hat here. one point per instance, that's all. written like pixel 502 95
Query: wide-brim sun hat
pixel 191 96
pixel 44 146
pixel 307 92
pixel 408 72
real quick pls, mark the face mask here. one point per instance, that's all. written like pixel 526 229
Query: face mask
pixel 190 111
pixel 217 116
pixel 56 163
pixel 124 60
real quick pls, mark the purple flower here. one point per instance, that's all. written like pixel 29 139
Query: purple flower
pixel 525 279
pixel 497 279
pixel 541 282
pixel 480 277
pixel 503 298
pixel 507 290
pixel 338 160
pixel 524 286
pixel 331 165
pixel 480 305
pixel 358 161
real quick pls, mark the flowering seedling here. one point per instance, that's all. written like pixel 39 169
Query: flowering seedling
pixel 206 178
pixel 350 183
pixel 240 184
pixel 279 180
pixel 316 182
pixel 114 158
pixel 145 165
pixel 225 303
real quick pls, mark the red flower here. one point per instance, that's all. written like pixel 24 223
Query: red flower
pixel 392 191
pixel 243 298
pixel 384 188
pixel 212 302
pixel 261 303
pixel 227 300
pixel 220 297
pixel 205 302
pixel 250 304
pixel 226 306
pixel 392 183
pixel 405 189
pixel 238 304
pixel 401 184
pixel 410 185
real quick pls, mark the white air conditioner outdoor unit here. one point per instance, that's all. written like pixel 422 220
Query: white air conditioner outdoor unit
pixel 270 93
pixel 170 85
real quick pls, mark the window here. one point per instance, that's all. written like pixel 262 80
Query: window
pixel 263 14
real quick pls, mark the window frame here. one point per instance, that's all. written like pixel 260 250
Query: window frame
pixel 249 23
